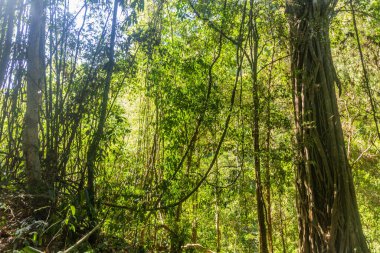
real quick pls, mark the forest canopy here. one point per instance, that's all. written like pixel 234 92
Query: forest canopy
pixel 189 126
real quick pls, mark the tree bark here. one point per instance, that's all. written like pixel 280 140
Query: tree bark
pixel 35 80
pixel 326 203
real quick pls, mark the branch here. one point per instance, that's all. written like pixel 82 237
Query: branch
pixel 84 238
pixel 365 151
pixel 273 61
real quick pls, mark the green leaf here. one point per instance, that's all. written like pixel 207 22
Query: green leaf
pixel 73 210
pixel 35 235
pixel 72 227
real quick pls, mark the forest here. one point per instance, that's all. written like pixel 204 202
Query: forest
pixel 190 126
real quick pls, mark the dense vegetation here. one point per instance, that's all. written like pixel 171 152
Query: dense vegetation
pixel 189 126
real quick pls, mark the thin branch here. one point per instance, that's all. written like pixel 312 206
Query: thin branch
pixel 273 61
pixel 372 143
pixel 83 239
pixel 365 72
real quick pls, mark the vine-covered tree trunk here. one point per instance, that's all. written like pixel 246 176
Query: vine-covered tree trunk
pixel 328 214
pixel 35 79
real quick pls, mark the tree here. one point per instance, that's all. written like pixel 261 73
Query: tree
pixel 35 80
pixel 254 45
pixel 94 146
pixel 326 203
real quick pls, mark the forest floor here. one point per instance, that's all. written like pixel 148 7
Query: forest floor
pixel 12 211
pixel 18 229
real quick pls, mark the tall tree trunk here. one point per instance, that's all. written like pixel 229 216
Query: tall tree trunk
pixel 268 156
pixel 326 203
pixel 176 236
pixel 217 210
pixel 194 223
pixel 35 80
pixel 94 145
pixel 254 45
